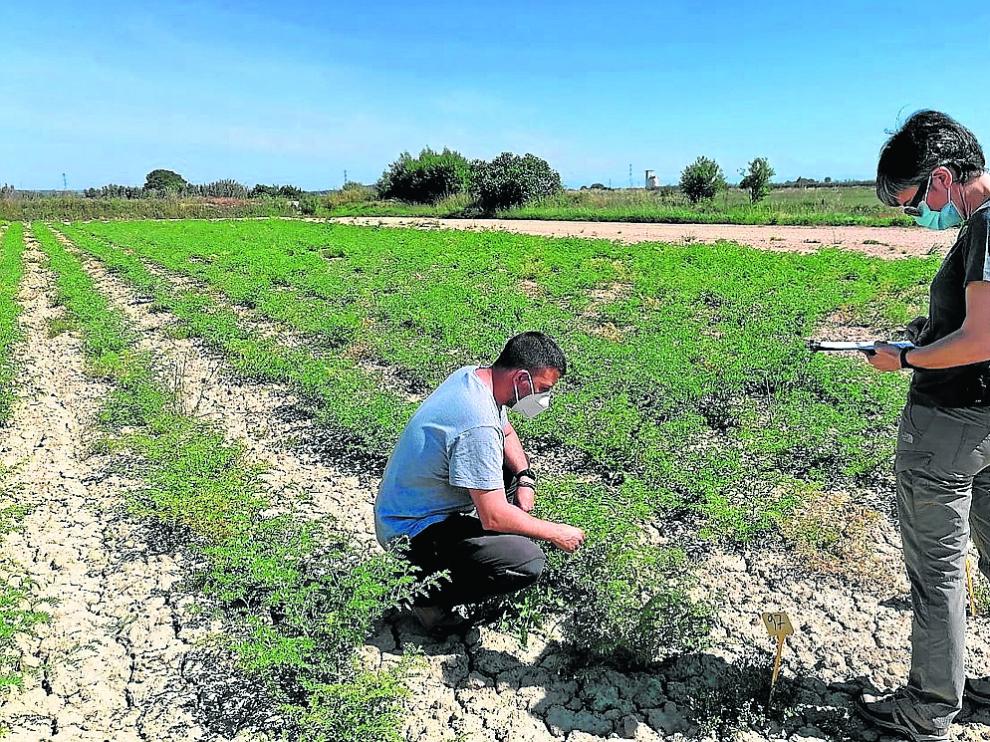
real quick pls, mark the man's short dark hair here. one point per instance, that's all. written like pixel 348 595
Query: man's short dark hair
pixel 531 351
pixel 927 140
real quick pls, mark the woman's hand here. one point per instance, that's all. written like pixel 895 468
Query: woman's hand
pixel 885 357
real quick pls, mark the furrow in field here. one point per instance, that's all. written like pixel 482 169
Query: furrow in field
pixel 268 420
pixel 256 321
pixel 112 662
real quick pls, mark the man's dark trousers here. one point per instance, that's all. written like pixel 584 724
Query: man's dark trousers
pixel 481 563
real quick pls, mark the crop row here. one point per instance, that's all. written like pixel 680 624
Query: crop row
pixel 20 611
pixel 11 271
pixel 690 386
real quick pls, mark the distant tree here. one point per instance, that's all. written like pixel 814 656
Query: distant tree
pixel 283 191
pixel 6 192
pixel 260 190
pixel 114 191
pixel 828 181
pixel 756 179
pixel 510 180
pixel 598 187
pixel 164 181
pixel 702 179
pixel 426 178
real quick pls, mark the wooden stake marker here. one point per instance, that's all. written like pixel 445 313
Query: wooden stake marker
pixel 778 627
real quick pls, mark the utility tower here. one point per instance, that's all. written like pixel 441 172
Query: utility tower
pixel 65 183
pixel 630 175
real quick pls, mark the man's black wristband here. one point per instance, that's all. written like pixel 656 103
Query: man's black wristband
pixel 905 363
pixel 528 473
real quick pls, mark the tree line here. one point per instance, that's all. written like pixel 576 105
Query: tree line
pixel 161 182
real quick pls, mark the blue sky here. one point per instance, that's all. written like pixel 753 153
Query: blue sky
pixel 296 92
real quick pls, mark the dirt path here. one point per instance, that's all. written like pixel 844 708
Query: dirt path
pixel 882 242
pixel 112 662
pixel 483 686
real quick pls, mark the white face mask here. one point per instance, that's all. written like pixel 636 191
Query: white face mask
pixel 532 404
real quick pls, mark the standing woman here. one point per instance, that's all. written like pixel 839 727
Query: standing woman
pixel 933 168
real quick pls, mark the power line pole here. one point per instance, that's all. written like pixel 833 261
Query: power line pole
pixel 65 183
pixel 630 175
pixel 345 177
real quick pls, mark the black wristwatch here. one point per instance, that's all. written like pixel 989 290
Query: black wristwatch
pixel 905 363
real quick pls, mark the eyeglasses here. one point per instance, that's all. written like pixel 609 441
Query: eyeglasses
pixel 911 208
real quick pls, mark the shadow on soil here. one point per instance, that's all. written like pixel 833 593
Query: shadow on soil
pixel 695 695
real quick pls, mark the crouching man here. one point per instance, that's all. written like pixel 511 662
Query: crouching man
pixel 459 454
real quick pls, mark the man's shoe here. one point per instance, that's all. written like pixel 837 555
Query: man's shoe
pixel 977 691
pixel 437 620
pixel 885 712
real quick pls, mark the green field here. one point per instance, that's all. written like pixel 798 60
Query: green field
pixel 837 205
pixel 691 408
pixel 691 386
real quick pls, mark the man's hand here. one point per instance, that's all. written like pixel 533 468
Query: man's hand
pixel 567 538
pixel 886 357
pixel 525 497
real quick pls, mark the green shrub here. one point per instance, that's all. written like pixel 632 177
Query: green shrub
pixel 702 179
pixel 628 603
pixel 276 191
pixel 368 708
pixel 427 178
pixel 115 191
pixel 20 607
pixel 11 271
pixel 351 193
pixel 311 204
pixel 510 180
pixel 756 179
pixel 164 181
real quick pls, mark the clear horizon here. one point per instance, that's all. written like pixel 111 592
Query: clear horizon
pixel 231 90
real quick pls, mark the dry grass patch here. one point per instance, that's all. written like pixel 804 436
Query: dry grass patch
pixel 834 535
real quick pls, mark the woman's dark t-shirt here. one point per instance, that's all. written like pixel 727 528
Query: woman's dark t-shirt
pixel 968 260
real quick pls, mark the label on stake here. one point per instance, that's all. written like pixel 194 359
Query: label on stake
pixel 779 627
pixel 778 624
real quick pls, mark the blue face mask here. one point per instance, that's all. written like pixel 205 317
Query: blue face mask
pixel 945 218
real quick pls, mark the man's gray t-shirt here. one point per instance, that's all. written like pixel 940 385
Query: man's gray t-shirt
pixel 452 444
